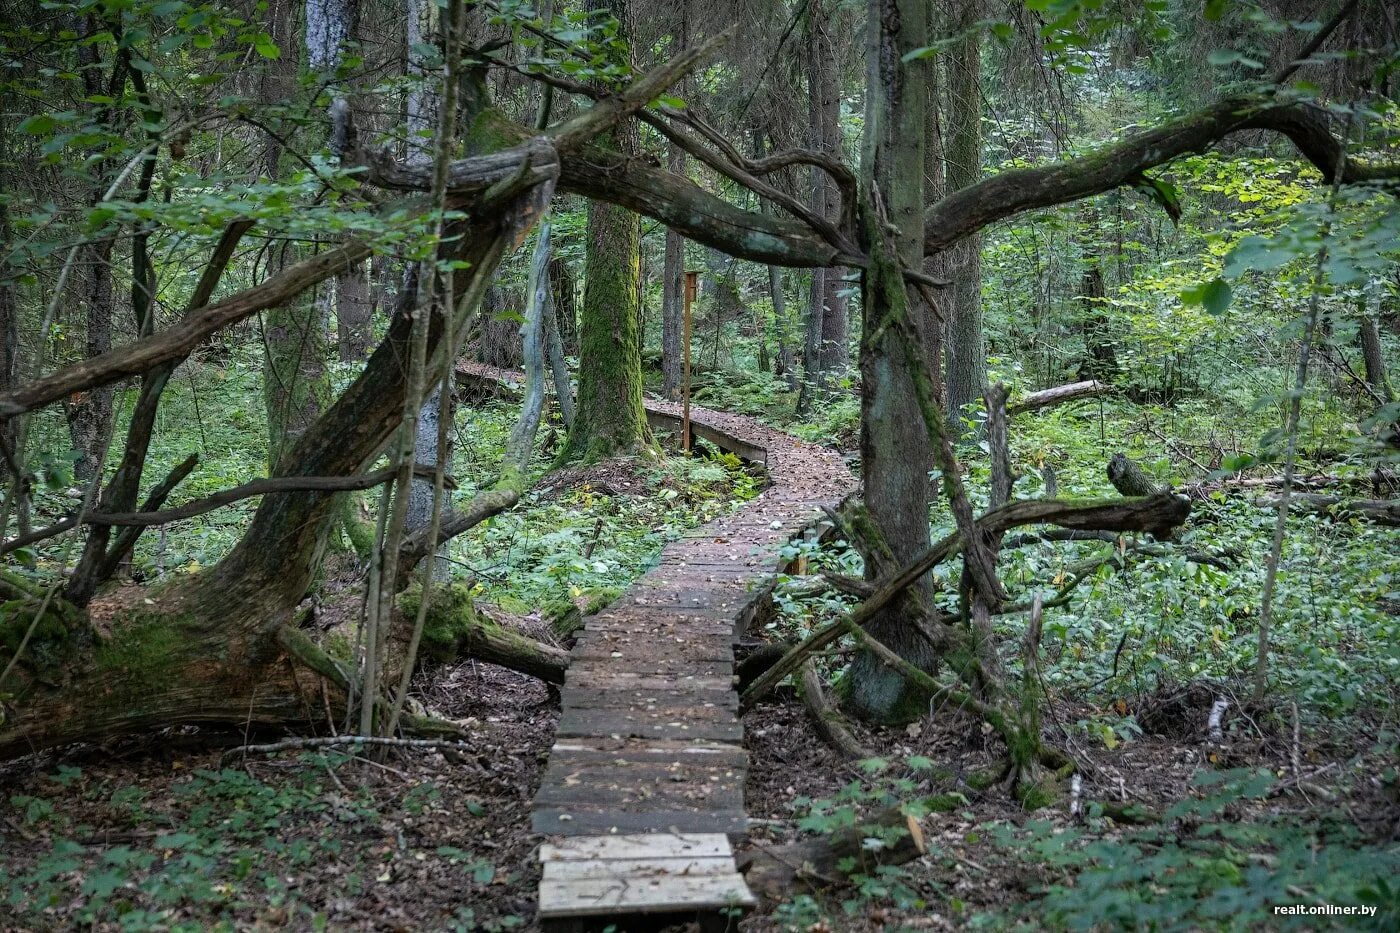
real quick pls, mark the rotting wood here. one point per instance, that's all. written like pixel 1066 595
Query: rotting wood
pixel 774 872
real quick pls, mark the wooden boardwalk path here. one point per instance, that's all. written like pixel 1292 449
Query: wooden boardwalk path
pixel 644 789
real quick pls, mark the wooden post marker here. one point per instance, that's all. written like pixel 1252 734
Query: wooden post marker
pixel 691 279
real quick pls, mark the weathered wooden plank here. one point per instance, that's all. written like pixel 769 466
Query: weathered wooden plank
pixel 591 698
pixel 687 783
pixel 603 679
pixel 582 821
pixel 673 618
pixel 651 845
pixel 722 629
pixel 639 868
pixel 648 753
pixel 693 598
pixel 679 671
pixel 643 724
pixel 627 790
pixel 659 895
pixel 679 713
pixel 638 771
pixel 622 647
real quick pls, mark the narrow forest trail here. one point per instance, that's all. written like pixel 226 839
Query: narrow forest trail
pixel 644 789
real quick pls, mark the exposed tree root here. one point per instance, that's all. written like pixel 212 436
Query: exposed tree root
pixel 830 724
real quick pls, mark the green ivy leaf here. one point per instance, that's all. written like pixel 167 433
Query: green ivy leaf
pixel 1216 296
pixel 266 47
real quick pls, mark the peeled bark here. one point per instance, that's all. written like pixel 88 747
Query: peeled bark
pixel 1058 395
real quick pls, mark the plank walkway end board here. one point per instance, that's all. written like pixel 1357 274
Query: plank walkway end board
pixel 657 874
pixel 644 786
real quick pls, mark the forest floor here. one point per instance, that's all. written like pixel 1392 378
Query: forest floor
pixel 163 832
pixel 160 833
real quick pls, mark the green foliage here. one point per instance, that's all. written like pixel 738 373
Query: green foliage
pixel 1202 869
pixel 228 850
pixel 884 784
pixel 589 538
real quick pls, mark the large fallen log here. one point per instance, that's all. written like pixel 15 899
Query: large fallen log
pixel 1058 395
pixel 1379 511
pixel 454 629
pixel 774 872
pixel 1132 480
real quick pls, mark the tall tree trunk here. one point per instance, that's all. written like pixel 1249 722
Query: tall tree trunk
pixel 500 327
pixel 725 299
pixel 90 414
pixel 1373 357
pixel 610 418
pixel 354 310
pixel 673 297
pixel 297 381
pixel 933 307
pixel 1100 359
pixel 965 343
pixel 330 26
pixel 827 123
pixel 825 324
pixel 895 447
pixel 784 360
pixel 9 359
pixel 296 378
pixel 564 292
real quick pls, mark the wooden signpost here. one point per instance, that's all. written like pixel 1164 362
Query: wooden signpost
pixel 691 279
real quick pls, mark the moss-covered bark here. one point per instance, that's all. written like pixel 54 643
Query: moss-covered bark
pixel 895 448
pixel 610 418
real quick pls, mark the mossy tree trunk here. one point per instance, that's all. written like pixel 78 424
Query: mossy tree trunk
pixel 610 418
pixel 895 448
pixel 207 648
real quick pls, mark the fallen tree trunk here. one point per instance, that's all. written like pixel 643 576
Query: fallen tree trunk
pixel 1377 480
pixel 1157 515
pixel 454 629
pixel 1058 395
pixel 774 872
pixel 1378 511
